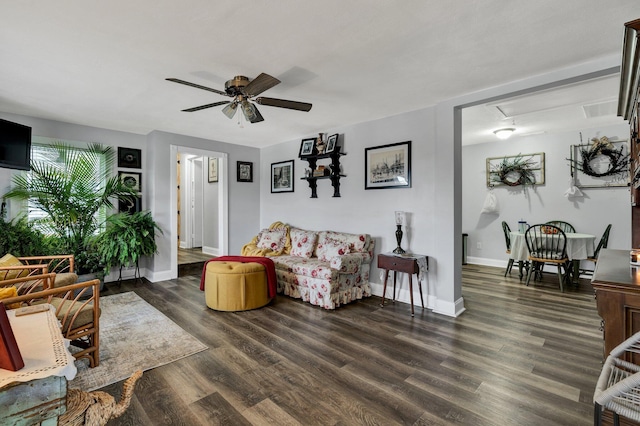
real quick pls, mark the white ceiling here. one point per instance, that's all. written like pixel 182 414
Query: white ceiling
pixel 585 105
pixel 104 64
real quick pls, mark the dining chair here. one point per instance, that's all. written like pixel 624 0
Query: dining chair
pixel 507 239
pixel 547 244
pixel 565 226
pixel 604 242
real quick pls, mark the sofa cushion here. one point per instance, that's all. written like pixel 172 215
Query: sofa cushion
pixel 273 239
pixel 356 242
pixel 312 267
pixel 67 309
pixel 329 247
pixel 10 260
pixel 303 242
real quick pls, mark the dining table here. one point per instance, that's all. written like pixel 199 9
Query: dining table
pixel 579 247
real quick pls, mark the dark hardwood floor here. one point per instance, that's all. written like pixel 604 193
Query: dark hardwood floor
pixel 191 261
pixel 518 356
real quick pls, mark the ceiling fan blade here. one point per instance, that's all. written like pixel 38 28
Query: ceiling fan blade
pixel 230 110
pixel 259 85
pixel 198 108
pixel 197 86
pixel 250 112
pixel 282 103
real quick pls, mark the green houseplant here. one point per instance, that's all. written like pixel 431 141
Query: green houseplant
pixel 73 188
pixel 20 238
pixel 126 239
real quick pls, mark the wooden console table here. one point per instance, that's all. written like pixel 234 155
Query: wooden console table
pixel 617 286
pixel 409 264
pixel 36 394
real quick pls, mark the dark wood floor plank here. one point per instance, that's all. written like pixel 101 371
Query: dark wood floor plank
pixel 216 410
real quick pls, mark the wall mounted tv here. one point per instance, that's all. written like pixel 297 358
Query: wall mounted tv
pixel 15 145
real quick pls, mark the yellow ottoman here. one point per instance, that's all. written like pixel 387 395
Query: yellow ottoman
pixel 235 286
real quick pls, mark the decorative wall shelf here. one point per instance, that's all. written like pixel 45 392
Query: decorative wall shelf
pixel 334 174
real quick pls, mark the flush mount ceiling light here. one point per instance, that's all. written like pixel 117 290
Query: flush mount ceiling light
pixel 504 133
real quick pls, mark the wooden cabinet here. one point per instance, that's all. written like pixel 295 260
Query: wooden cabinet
pixel 334 172
pixel 628 108
pixel 617 286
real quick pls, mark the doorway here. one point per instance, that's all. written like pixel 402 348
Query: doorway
pixel 203 199
pixel 191 190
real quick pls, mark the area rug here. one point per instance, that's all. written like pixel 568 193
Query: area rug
pixel 133 336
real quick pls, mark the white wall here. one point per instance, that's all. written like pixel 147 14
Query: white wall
pixel 210 200
pixel 589 214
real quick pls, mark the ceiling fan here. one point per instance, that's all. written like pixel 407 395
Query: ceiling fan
pixel 243 90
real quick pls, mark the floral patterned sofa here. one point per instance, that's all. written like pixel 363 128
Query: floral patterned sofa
pixel 324 268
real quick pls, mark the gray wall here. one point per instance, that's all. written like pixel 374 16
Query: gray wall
pixel 243 198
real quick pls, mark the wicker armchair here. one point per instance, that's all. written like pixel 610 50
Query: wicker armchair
pixel 618 387
pixel 63 265
pixel 77 309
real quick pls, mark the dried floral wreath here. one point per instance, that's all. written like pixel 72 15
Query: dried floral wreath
pixel 514 167
pixel 618 161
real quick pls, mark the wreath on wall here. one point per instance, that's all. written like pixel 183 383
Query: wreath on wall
pixel 618 161
pixel 514 171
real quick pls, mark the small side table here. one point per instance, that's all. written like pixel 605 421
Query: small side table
pixel 409 264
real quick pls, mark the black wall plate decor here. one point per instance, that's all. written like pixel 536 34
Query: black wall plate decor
pixel 129 158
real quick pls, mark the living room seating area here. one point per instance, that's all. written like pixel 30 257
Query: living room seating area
pixel 325 268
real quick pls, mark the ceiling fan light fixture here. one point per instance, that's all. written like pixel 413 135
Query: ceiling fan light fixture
pixel 250 112
pixel 230 110
pixel 242 89
pixel 504 133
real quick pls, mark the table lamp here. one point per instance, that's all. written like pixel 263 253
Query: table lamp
pixel 400 219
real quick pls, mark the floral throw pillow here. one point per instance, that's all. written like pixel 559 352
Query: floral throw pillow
pixel 328 248
pixel 302 242
pixel 272 239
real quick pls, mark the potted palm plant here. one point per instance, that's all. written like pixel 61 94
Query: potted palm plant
pixel 74 189
pixel 126 239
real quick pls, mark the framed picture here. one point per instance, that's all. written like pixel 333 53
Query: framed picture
pixel 307 147
pixel 595 166
pixel 515 170
pixel 388 166
pixel 213 169
pixel 129 158
pixel 332 144
pixel 282 176
pixel 130 206
pixel 131 180
pixel 245 171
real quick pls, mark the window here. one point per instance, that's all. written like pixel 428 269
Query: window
pixel 43 152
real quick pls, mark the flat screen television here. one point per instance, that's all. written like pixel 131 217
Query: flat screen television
pixel 15 145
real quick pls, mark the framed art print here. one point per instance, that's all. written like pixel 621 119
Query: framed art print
pixel 131 180
pixel 130 205
pixel 388 166
pixel 213 169
pixel 332 144
pixel 282 176
pixel 245 171
pixel 307 147
pixel 129 158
